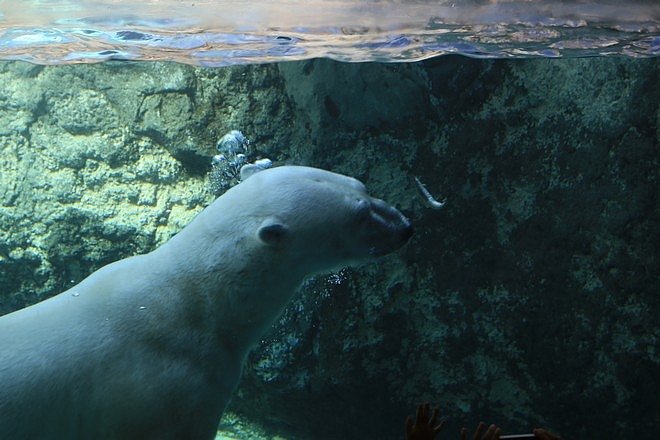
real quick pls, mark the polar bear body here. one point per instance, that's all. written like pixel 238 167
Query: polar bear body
pixel 152 346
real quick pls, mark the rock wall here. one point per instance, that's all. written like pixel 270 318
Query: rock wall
pixel 102 162
pixel 530 299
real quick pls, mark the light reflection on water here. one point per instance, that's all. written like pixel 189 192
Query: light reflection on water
pixel 222 32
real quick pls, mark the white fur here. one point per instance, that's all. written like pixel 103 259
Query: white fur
pixel 151 347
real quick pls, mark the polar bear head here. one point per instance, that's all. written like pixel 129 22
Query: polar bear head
pixel 317 220
pixel 245 255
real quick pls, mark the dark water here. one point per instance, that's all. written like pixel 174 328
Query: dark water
pixel 530 299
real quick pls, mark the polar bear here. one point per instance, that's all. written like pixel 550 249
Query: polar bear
pixel 152 346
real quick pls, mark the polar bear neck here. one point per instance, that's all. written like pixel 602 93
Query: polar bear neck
pixel 196 259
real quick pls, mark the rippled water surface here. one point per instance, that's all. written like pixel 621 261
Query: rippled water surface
pixel 224 32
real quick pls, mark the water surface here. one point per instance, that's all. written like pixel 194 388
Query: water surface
pixel 224 32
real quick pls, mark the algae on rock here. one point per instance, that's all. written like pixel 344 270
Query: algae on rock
pixel 106 161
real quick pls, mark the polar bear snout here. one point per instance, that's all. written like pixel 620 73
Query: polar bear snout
pixel 388 228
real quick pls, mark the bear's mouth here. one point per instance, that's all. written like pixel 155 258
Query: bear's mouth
pixel 388 228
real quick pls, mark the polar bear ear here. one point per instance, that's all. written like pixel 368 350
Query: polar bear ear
pixel 272 232
pixel 249 170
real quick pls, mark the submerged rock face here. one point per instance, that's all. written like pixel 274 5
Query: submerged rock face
pixel 103 162
pixel 530 299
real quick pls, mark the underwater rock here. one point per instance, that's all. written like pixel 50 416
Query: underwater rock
pixel 131 186
pixel 528 300
pixel 366 97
